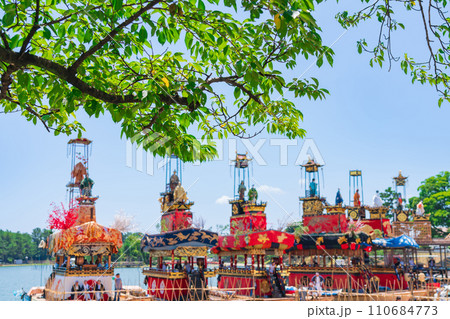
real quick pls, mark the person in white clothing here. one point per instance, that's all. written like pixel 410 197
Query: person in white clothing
pixel 377 202
pixel 87 289
pixel 420 211
pixel 318 282
pixel 272 268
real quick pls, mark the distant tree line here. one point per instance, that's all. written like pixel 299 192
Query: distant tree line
pixel 131 249
pixel 16 245
pixel 25 246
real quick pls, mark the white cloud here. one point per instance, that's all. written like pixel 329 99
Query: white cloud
pixel 269 189
pixel 222 200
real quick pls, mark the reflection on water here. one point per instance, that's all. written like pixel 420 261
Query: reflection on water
pixel 14 278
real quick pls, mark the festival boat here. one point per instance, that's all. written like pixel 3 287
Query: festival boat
pixel 82 248
pixel 177 240
pixel 335 251
pixel 249 238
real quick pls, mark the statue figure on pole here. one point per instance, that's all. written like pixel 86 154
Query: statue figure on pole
pixel 377 202
pixel 356 199
pixel 252 195
pixel 420 210
pixel 400 202
pixel 179 194
pixel 78 172
pixel 174 180
pixel 86 186
pixel 339 200
pixel 313 188
pixel 242 190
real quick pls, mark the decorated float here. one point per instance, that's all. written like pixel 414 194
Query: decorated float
pixel 82 248
pixel 334 246
pixel 168 277
pixel 250 239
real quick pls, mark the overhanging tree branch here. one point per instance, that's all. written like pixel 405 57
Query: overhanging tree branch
pixel 110 36
pixel 33 30
pixel 18 61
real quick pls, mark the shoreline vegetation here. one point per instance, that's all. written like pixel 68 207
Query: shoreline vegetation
pixel 120 264
pixel 18 248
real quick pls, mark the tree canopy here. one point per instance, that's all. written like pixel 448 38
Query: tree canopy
pixel 126 58
pixel 160 68
pixel 389 198
pixel 434 192
pixel 22 245
pixel 131 248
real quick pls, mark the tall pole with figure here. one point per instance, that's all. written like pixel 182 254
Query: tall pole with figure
pixel 241 176
pixel 400 184
pixel 401 214
pixel 78 150
pixel 355 186
pixel 310 172
pixel 175 206
pixel 246 213
pixel 356 208
pixel 179 237
pixel 312 201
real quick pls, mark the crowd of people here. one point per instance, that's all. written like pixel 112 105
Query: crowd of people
pixel 179 267
pixel 86 291
pixel 81 261
pixel 95 290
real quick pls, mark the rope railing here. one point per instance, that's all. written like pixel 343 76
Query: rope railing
pixel 184 293
pixel 424 293
pixel 366 288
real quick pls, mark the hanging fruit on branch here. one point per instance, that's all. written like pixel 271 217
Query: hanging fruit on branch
pixel 62 218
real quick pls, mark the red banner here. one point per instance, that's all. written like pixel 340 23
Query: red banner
pixel 175 221
pixel 247 222
pixel 382 224
pixel 260 240
pixel 325 224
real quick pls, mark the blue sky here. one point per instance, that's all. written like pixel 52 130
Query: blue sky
pixel 374 120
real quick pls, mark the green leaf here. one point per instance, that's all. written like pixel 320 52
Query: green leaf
pixel 143 34
pixel 201 6
pixel 117 4
pixel 8 19
pixel 319 61
pixel 162 37
pixel 188 39
pixel 47 34
pixel 329 58
pixel 237 92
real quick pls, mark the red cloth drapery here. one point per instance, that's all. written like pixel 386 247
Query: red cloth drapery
pixel 269 239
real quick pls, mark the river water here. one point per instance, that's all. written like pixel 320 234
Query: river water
pixel 13 278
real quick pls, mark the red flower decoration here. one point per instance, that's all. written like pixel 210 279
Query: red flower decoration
pixel 322 247
pixel 368 249
pixel 344 246
pixel 62 218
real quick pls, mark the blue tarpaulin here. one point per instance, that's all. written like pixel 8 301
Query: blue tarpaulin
pixel 402 241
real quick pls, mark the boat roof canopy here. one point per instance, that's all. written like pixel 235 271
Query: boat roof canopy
pixel 191 237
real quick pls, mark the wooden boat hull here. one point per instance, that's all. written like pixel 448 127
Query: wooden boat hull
pixel 342 278
pixel 168 288
pixel 176 285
